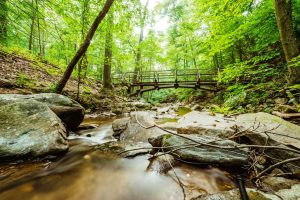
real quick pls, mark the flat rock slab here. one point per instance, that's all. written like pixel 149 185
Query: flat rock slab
pixel 30 128
pixel 204 123
pixel 278 129
pixel 68 110
pixel 202 154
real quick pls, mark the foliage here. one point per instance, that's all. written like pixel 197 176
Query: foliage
pixel 295 62
pixel 171 95
pixel 23 80
pixel 240 38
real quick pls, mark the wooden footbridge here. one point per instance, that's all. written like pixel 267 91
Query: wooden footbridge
pixel 140 82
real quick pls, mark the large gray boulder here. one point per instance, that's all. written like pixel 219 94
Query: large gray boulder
pixel 68 110
pixel 202 154
pixel 30 128
pixel 135 129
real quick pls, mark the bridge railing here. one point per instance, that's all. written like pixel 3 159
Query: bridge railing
pixel 166 76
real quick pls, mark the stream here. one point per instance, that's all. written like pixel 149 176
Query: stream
pixel 85 174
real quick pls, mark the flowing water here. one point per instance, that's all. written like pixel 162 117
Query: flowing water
pixel 90 175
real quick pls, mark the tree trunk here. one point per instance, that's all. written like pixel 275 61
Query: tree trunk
pixel 108 53
pixel 216 61
pixel 193 53
pixel 31 27
pixel 283 12
pixel 84 46
pixel 3 22
pixel 84 61
pixel 232 55
pixel 240 51
pixel 139 51
pixel 39 30
pixel 221 60
pixel 81 65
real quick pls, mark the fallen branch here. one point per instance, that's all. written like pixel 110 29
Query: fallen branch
pixel 277 165
pixel 286 115
pixel 179 181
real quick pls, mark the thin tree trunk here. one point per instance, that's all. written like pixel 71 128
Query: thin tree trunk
pixel 43 43
pixel 39 30
pixel 30 45
pixel 3 22
pixel 139 51
pixel 232 55
pixel 221 60
pixel 240 51
pixel 216 61
pixel 79 78
pixel 108 53
pixel 193 53
pixel 283 11
pixel 84 46
pixel 83 62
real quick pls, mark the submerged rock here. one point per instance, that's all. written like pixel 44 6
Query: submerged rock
pixel 162 164
pixel 202 154
pixel 68 110
pixel 30 128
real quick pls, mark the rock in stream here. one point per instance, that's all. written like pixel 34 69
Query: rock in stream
pixel 202 154
pixel 30 128
pixel 68 110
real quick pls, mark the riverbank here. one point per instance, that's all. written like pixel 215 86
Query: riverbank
pixel 118 152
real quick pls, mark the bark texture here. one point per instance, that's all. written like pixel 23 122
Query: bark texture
pixel 108 53
pixel 283 11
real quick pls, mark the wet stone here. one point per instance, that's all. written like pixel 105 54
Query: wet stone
pixel 202 154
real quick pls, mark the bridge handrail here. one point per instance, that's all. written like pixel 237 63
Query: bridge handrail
pixel 163 75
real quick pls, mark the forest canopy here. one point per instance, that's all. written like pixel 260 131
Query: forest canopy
pixel 250 40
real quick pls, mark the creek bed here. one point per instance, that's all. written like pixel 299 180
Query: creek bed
pixel 85 174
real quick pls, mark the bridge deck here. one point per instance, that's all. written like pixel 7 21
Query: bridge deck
pixel 190 78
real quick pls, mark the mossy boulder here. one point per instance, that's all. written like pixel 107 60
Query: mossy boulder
pixel 30 129
pixel 68 110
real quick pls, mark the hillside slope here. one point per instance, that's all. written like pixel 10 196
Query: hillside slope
pixel 20 74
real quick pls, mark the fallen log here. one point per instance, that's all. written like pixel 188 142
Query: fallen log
pixel 286 115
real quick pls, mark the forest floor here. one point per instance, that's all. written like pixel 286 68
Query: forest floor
pixel 23 75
